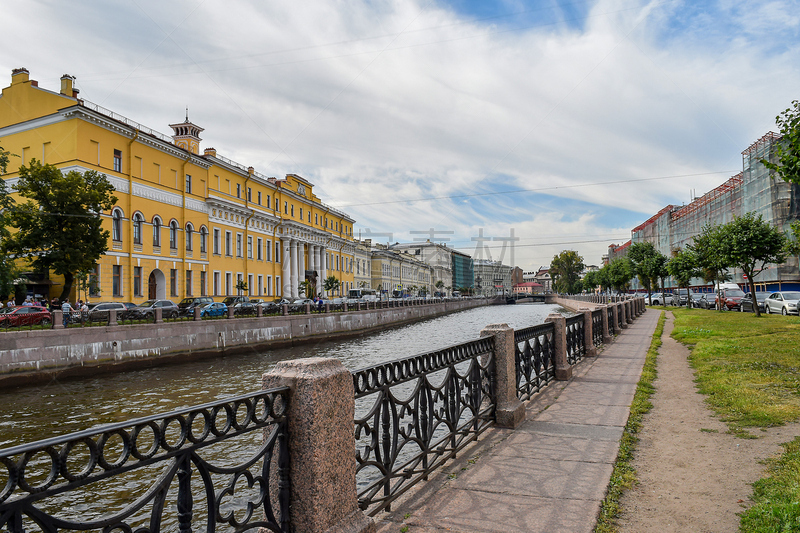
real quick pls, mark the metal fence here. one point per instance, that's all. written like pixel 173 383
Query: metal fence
pixel 414 414
pixel 597 327
pixel 534 359
pixel 611 325
pixel 576 345
pixel 156 473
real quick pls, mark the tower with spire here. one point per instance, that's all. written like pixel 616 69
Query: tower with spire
pixel 187 135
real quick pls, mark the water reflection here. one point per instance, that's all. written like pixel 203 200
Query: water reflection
pixel 61 407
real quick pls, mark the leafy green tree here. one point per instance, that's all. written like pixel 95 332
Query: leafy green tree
pixel 590 280
pixel 331 284
pixel 683 267
pixel 620 273
pixel 565 270
pixel 709 254
pixel 648 264
pixel 751 244
pixel 60 230
pixel 787 151
pixel 306 288
pixel 8 269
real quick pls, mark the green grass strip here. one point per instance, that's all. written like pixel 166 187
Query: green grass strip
pixel 777 497
pixel 624 475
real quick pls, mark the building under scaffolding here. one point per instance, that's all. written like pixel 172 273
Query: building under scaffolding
pixel 754 189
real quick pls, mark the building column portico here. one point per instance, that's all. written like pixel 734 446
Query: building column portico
pixel 294 278
pixel 323 273
pixel 286 271
pixel 313 264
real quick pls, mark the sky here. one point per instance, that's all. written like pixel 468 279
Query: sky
pixel 510 130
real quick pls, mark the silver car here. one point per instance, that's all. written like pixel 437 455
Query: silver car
pixel 783 302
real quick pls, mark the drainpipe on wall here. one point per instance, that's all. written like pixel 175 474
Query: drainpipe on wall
pixel 182 253
pixel 130 211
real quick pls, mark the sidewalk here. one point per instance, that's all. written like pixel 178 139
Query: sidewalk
pixel 551 473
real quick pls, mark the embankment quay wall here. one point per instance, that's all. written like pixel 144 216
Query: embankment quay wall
pixel 39 355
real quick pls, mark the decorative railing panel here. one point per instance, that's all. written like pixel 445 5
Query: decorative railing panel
pixel 611 326
pixel 414 414
pixel 620 318
pixel 597 327
pixel 156 473
pixel 534 359
pixel 576 346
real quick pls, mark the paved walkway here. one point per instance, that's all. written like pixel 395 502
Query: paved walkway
pixel 551 473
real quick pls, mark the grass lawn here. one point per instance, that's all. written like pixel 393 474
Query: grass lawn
pixel 749 370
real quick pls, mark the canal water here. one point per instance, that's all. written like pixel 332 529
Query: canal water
pixel 61 407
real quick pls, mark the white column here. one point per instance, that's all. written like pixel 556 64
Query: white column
pixel 295 278
pixel 313 263
pixel 322 270
pixel 286 266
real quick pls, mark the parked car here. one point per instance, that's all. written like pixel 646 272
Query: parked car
pixel 730 299
pixel 783 302
pixel 147 310
pixel 747 302
pixel 699 300
pixel 300 305
pixel 187 305
pixel 213 309
pixel 99 313
pixel 28 315
pixel 680 297
pixel 661 298
pixel 241 305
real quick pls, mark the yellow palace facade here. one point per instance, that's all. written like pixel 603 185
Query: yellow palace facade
pixel 185 223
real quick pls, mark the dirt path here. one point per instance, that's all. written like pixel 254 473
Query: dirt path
pixel 692 475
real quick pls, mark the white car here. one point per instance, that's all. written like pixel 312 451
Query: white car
pixel 659 298
pixel 783 302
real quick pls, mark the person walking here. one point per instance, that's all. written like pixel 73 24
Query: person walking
pixel 66 309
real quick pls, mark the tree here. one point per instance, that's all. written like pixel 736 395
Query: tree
pixel 590 280
pixel 709 254
pixel 683 267
pixel 306 288
pixel 620 273
pixel 751 244
pixel 565 270
pixel 241 286
pixel 787 151
pixel 331 284
pixel 61 229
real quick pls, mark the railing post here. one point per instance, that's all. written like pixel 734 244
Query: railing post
pixel 112 317
pixel 259 311
pixel 589 349
pixel 509 411
pixel 197 314
pixel 159 315
pixel 563 369
pixel 322 471
pixel 230 312
pixel 285 310
pixel 620 316
pixel 606 330
pixel 628 311
pixel 308 308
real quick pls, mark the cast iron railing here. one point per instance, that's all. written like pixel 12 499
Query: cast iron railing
pixel 149 475
pixel 576 347
pixel 534 359
pixel 620 318
pixel 597 327
pixel 611 326
pixel 414 414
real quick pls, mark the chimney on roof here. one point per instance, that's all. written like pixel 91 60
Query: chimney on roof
pixel 67 85
pixel 251 170
pixel 210 151
pixel 20 75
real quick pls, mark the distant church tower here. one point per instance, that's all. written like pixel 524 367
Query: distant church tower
pixel 187 135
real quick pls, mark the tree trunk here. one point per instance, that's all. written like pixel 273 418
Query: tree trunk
pixel 68 279
pixel 752 285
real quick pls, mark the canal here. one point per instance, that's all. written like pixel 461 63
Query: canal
pixel 60 407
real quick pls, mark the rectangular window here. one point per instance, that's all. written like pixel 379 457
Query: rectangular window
pixel 173 282
pixel 216 284
pixel 117 161
pixel 188 184
pixel 316 219
pixel 250 285
pixel 94 281
pixel 238 245
pixel 259 198
pixel 260 285
pixel 267 250
pixel 202 283
pixel 188 283
pixel 116 280
pixel 228 283
pixel 277 251
pixel 249 247
pixel 277 285
pixel 301 213
pixel 216 241
pixel 203 240
pixel 285 208
pixel 259 246
pixel 249 194
pixel 292 210
pixel 269 286
pixel 228 249
pixel 137 281
pixel 238 190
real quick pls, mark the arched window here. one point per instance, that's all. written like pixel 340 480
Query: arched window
pixel 173 234
pixel 116 224
pixel 203 239
pixel 189 232
pixel 137 228
pixel 157 231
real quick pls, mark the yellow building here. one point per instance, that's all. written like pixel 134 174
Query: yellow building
pixel 186 223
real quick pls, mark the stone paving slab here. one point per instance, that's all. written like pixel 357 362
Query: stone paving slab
pixel 599 392
pixel 581 431
pixel 468 511
pixel 557 447
pixel 586 414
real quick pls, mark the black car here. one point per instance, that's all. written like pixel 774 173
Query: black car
pixel 99 313
pixel 241 305
pixel 187 305
pixel 147 310
pixel 746 305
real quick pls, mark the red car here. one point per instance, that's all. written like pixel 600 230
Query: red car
pixel 28 315
pixel 731 298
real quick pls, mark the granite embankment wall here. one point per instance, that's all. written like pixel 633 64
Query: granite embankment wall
pixel 38 355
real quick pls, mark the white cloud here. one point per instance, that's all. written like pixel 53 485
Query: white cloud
pixel 381 101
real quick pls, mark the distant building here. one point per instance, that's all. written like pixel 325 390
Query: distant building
pixel 491 277
pixel 463 273
pixel 543 278
pixel 528 287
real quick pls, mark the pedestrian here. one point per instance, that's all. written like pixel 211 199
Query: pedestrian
pixel 66 309
pixel 53 304
pixel 10 303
